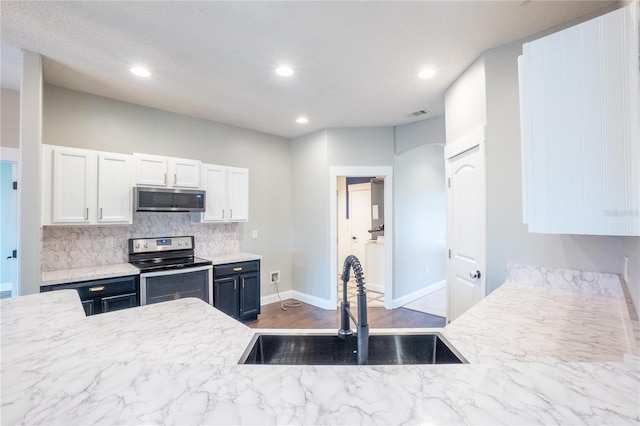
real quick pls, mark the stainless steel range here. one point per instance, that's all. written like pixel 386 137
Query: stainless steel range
pixel 169 270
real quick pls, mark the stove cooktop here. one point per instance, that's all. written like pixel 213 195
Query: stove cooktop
pixel 164 264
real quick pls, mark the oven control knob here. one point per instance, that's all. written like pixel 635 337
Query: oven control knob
pixel 137 245
pixel 146 245
pixel 180 243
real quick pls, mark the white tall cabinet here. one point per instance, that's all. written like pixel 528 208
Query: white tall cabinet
pixel 580 118
pixel 227 191
pixel 84 187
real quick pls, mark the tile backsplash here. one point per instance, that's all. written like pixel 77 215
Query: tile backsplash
pixel 79 246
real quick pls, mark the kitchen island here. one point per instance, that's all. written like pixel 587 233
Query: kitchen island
pixel 538 355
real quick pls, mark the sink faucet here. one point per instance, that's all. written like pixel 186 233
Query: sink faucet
pixel 362 333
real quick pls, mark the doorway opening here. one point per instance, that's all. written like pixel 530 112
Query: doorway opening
pixel 361 224
pixel 360 219
pixel 8 223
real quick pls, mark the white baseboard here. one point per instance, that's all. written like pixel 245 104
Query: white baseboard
pixel 314 300
pixel 273 298
pixel 303 297
pixel 375 287
pixel 401 301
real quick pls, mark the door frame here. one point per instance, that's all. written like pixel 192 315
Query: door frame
pixel 362 171
pixel 475 138
pixel 13 155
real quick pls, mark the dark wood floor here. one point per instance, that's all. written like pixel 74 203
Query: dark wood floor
pixel 308 316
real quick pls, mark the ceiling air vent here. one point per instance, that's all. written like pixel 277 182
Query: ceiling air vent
pixel 418 113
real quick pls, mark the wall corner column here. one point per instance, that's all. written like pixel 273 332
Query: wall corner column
pixel 30 183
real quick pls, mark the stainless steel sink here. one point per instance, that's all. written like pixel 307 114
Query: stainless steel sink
pixel 329 349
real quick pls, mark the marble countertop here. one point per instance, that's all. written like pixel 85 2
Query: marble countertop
pixel 62 276
pixel 219 259
pixel 176 362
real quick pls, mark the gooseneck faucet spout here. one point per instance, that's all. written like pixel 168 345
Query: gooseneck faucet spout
pixel 362 326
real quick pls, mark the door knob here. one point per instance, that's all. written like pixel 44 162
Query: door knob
pixel 474 274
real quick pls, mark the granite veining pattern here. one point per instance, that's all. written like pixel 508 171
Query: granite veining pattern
pixel 170 331
pixel 175 363
pixel 565 279
pixel 85 246
pixel 220 259
pixel 532 324
pixel 62 276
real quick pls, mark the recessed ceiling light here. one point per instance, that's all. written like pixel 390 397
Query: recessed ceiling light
pixel 284 71
pixel 427 73
pixel 302 120
pixel 140 72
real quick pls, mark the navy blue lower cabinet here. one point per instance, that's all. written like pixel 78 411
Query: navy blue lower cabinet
pixel 104 295
pixel 236 289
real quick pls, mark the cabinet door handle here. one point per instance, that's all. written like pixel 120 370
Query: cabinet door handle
pixel 230 213
pixel 237 269
pixel 86 213
pixel 100 213
pixel 165 178
pixel 175 179
pixel 223 213
pixel 242 282
pixel 100 288
pixel 235 285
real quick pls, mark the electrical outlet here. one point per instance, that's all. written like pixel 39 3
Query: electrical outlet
pixel 275 277
pixel 255 233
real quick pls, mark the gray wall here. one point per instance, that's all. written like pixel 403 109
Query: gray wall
pixel 312 156
pixel 465 102
pixel 30 231
pixel 9 118
pixel 419 133
pixel 420 213
pixel 310 192
pixel 81 120
pixel 508 240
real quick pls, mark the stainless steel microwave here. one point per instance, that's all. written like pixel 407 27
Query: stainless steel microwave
pixel 168 200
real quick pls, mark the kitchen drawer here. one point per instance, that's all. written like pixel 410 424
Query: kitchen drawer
pixel 103 295
pixel 235 268
pixel 99 288
pixel 121 301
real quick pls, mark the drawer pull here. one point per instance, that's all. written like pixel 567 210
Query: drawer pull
pixel 100 288
pixel 175 179
pixel 237 269
pixel 86 213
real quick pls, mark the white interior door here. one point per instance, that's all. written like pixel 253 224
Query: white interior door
pixel 360 218
pixel 466 223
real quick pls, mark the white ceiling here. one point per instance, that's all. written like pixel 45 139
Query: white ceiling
pixel 355 62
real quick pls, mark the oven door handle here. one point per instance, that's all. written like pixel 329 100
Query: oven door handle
pixel 185 270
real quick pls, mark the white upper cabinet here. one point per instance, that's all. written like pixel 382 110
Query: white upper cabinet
pixel 214 182
pixel 227 190
pixel 580 118
pixel 114 188
pixel 84 187
pixel 73 185
pixel 155 170
pixel 238 187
